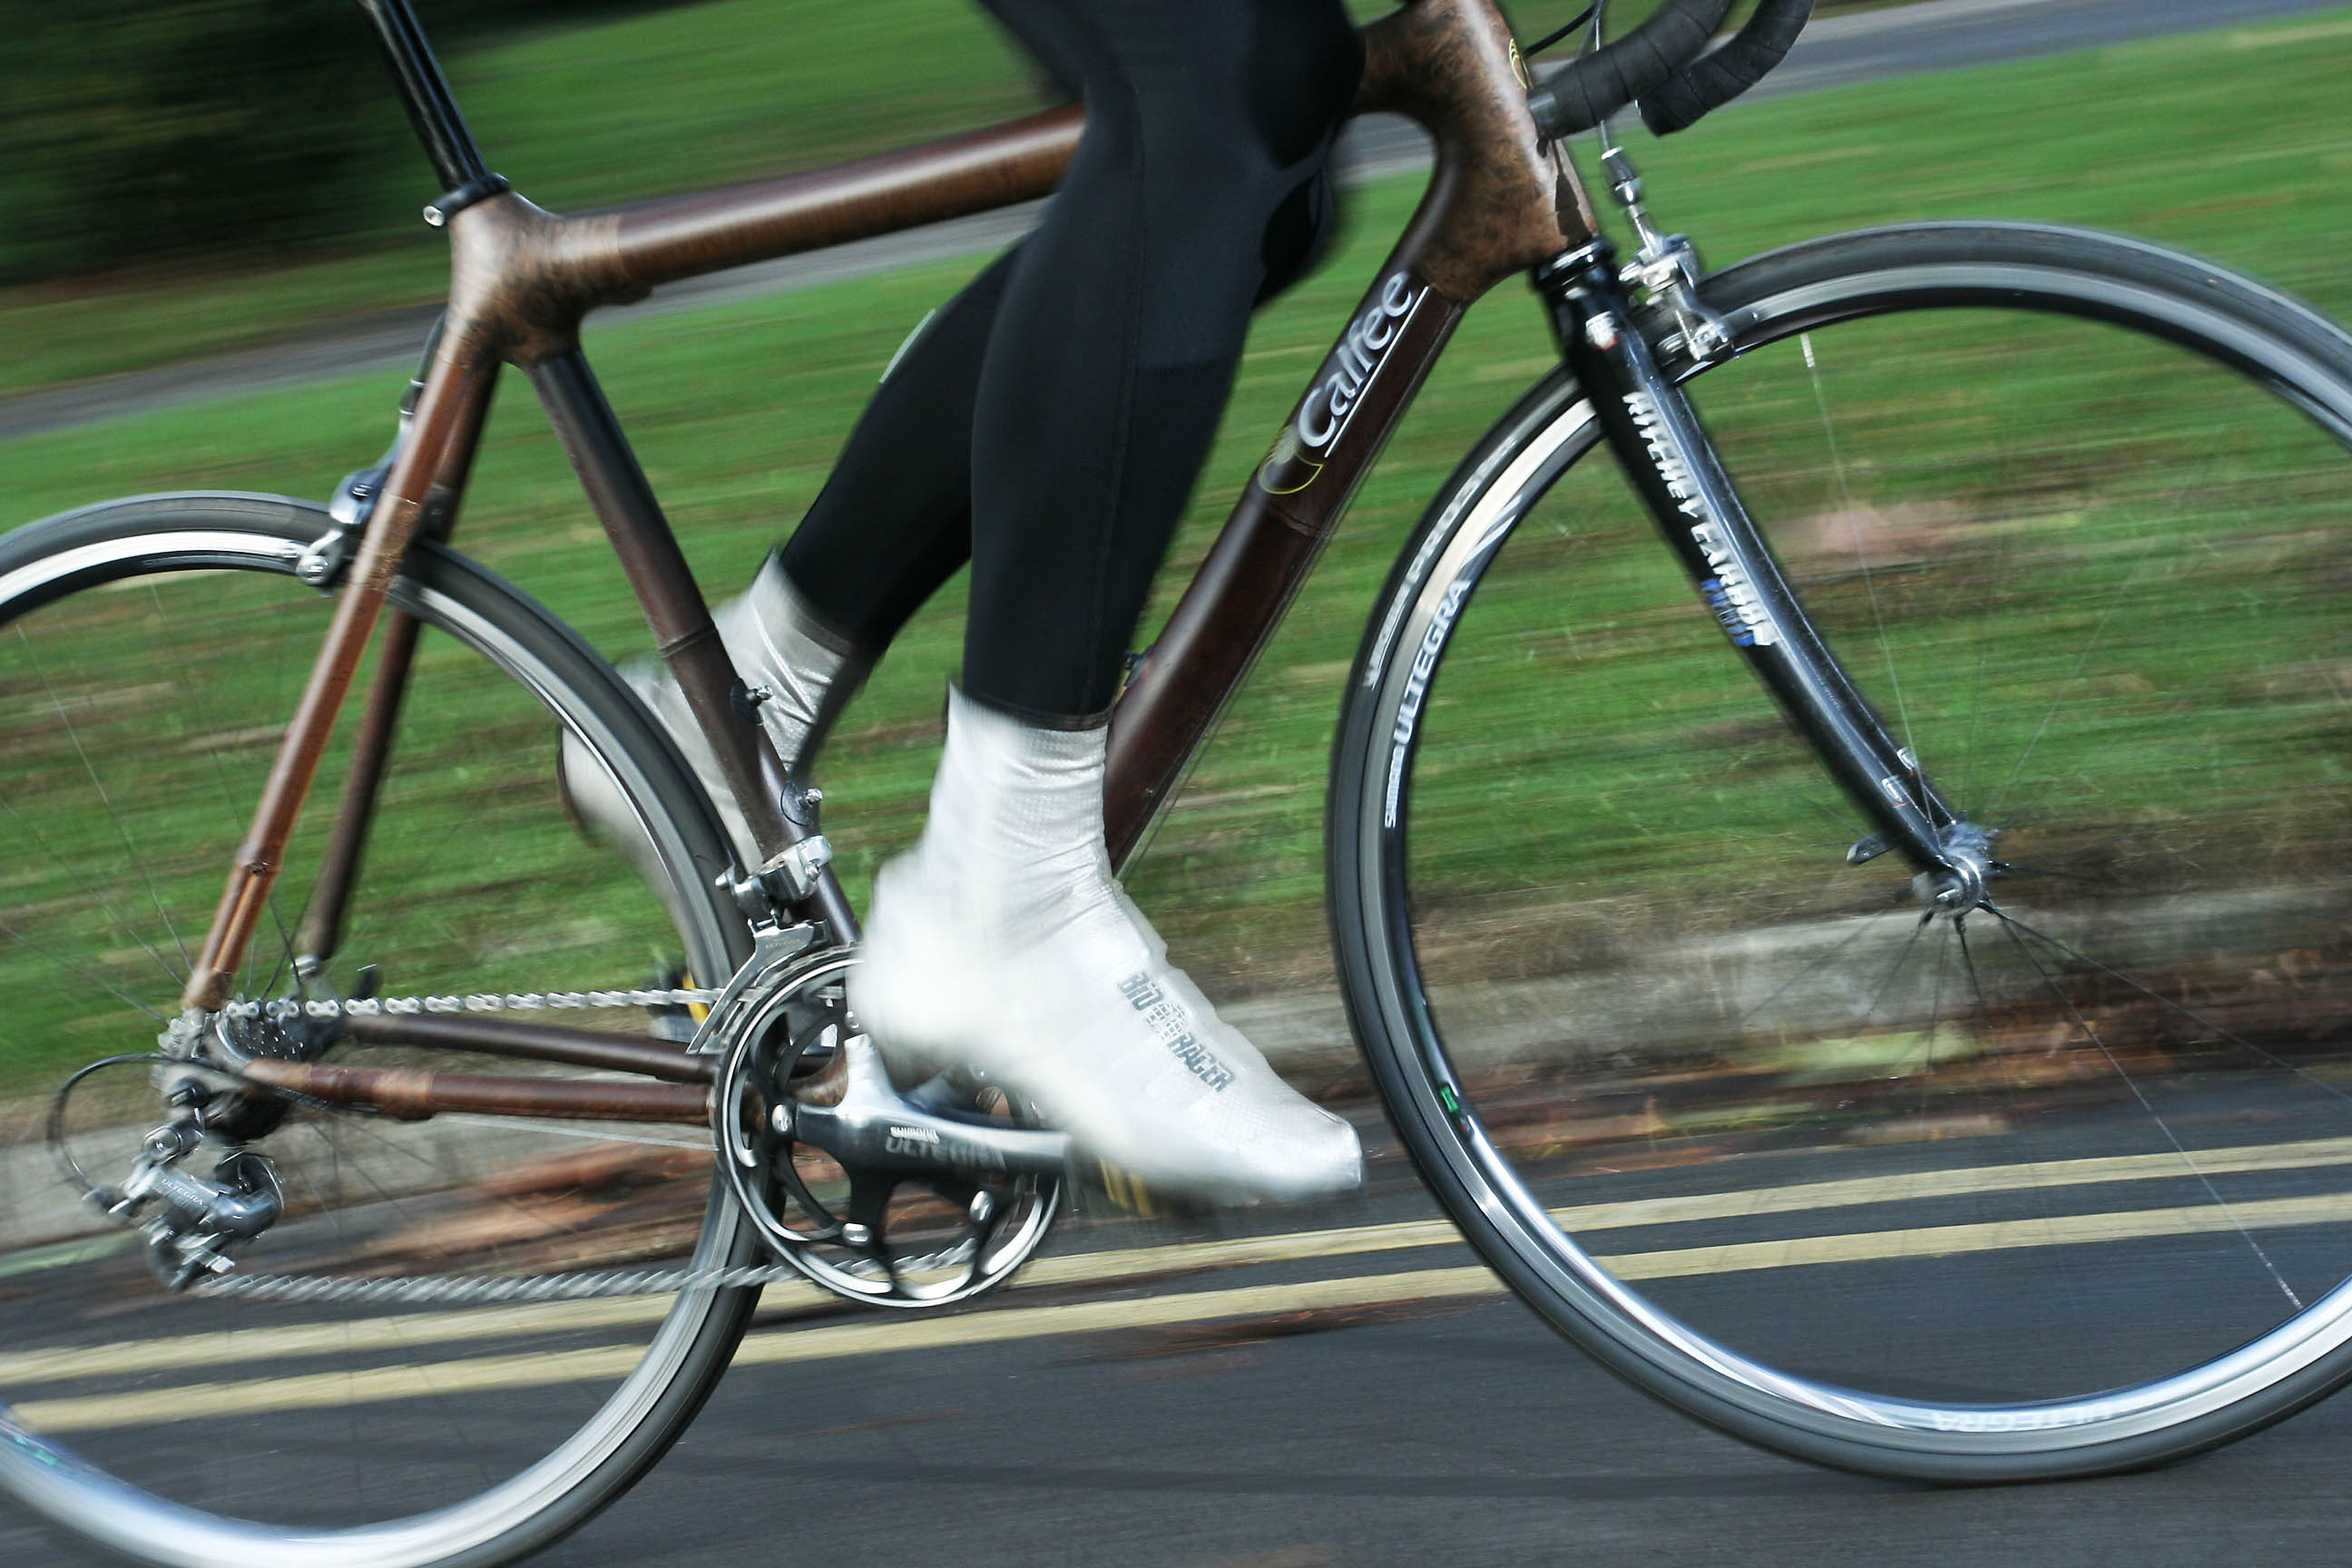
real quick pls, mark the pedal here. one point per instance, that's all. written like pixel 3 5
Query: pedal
pixel 673 1023
pixel 1126 1190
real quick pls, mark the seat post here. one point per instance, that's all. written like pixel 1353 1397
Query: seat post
pixel 425 91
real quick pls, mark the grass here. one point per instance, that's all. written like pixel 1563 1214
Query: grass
pixel 737 411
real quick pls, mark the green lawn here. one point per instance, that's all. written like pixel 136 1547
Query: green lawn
pixel 2231 145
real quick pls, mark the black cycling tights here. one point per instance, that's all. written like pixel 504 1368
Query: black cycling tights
pixel 1048 424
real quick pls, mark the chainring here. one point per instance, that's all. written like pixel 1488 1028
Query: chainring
pixel 890 1236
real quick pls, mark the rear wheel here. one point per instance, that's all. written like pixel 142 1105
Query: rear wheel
pixel 151 651
pixel 2061 1187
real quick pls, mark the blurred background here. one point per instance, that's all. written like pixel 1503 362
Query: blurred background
pixel 212 270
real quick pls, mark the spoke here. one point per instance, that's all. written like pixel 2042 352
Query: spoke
pixel 2011 927
pixel 280 644
pixel 1862 928
pixel 1969 960
pixel 1924 1051
pixel 1841 821
pixel 343 1246
pixel 1976 710
pixel 1984 642
pixel 1934 1015
pixel 241 818
pixel 2018 1120
pixel 2115 603
pixel 2175 506
pixel 2009 921
pixel 284 963
pixel 558 1130
pixel 2150 838
pixel 103 902
pixel 1861 556
pixel 2011 869
pixel 1927 1082
pixel 2019 824
pixel 1909 944
pixel 240 813
pixel 83 976
pixel 240 810
pixel 112 818
pixel 360 1127
pixel 418 1369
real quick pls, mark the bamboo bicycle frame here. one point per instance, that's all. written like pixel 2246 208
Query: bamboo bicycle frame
pixel 1500 201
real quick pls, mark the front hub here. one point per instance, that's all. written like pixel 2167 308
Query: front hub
pixel 1962 883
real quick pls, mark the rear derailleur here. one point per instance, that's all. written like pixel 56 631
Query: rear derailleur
pixel 188 1221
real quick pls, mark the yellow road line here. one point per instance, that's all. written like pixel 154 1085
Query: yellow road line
pixel 1091 1268
pixel 2024 1176
pixel 394 1334
pixel 867 1336
pixel 1992 1236
pixel 365 1335
pixel 885 1335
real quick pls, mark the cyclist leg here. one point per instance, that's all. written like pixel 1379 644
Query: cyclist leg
pixel 1002 940
pixel 894 521
pixel 891 525
pixel 1074 388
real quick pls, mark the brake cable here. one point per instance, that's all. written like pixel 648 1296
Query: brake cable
pixel 1562 31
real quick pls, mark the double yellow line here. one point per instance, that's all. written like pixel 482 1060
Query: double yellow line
pixel 882 1333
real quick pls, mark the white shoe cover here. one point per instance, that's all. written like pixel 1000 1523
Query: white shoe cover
pixel 774 642
pixel 1001 941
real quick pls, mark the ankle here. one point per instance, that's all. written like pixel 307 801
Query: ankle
pixel 1015 827
pixel 780 645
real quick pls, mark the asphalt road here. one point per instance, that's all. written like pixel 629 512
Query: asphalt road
pixel 1936 34
pixel 1471 1438
pixel 1359 1394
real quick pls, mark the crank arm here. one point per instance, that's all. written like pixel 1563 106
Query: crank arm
pixel 909 1140
pixel 874 1125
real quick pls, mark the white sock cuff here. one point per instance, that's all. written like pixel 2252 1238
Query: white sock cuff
pixel 810 672
pixel 1017 794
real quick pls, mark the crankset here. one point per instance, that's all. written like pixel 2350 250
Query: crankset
pixel 912 1199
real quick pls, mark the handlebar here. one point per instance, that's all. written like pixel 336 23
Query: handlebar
pixel 1719 78
pixel 1664 64
pixel 1598 85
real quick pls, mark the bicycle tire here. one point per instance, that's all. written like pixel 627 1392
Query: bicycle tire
pixel 199 1502
pixel 1502 1122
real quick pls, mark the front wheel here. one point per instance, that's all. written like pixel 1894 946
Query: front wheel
pixel 2060 1187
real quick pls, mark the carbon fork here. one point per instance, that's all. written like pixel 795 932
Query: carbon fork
pixel 1664 451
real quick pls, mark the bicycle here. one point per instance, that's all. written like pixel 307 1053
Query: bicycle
pixel 2118 957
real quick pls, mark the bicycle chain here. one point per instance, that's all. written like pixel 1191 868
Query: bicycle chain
pixel 478 1291
pixel 474 1290
pixel 287 1009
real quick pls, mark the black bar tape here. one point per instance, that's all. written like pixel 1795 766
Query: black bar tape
pixel 1715 80
pixel 1578 97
